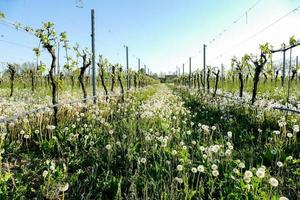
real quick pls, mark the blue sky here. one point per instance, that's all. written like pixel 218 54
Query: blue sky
pixel 163 33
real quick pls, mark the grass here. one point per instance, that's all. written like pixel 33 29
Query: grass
pixel 161 143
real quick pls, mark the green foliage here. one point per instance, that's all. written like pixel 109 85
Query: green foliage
pixel 37 52
pixel 241 65
pixel 28 29
pixel 116 150
pixel 292 41
pixel 63 37
pixel 71 65
pixel 47 35
pixel 2 16
pixel 265 48
pixel 42 68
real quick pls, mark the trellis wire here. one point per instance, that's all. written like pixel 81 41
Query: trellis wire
pixel 24 114
pixel 286 109
pixel 242 101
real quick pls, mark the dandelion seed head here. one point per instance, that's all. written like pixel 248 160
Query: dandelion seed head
pixel 108 147
pixel 242 165
pixel 179 167
pixel 279 164
pixel 273 151
pixel 260 173
pixel 64 187
pixel 289 158
pixel 52 167
pixel 214 167
pixel 45 173
pixel 228 152
pixel 174 152
pixel 276 132
pixel 296 128
pixel 200 168
pixel 248 174
pixel 273 182
pixel 289 135
pixel 259 130
pixel 194 170
pixel 283 198
pixel 179 180
pixel 247 179
pixel 236 171
pixel 26 136
pixel 229 134
pixel 215 173
pixel 143 160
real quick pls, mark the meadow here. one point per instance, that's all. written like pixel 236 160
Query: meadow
pixel 162 142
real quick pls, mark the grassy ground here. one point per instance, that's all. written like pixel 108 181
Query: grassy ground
pixel 161 143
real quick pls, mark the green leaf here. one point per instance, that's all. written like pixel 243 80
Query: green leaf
pixel 292 41
pixel 28 29
pixel 42 68
pixel 63 36
pixel 2 15
pixel 6 177
pixel 265 48
pixel 37 51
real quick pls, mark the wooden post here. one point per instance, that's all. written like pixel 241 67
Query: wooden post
pixel 190 72
pixel 289 80
pixel 58 67
pixel 204 64
pixel 222 72
pixel 296 68
pixel 283 67
pixel 139 72
pixel 183 79
pixel 127 69
pixel 93 55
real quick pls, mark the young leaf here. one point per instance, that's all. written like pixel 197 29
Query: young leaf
pixel 42 68
pixel 292 41
pixel 37 51
pixel 2 15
